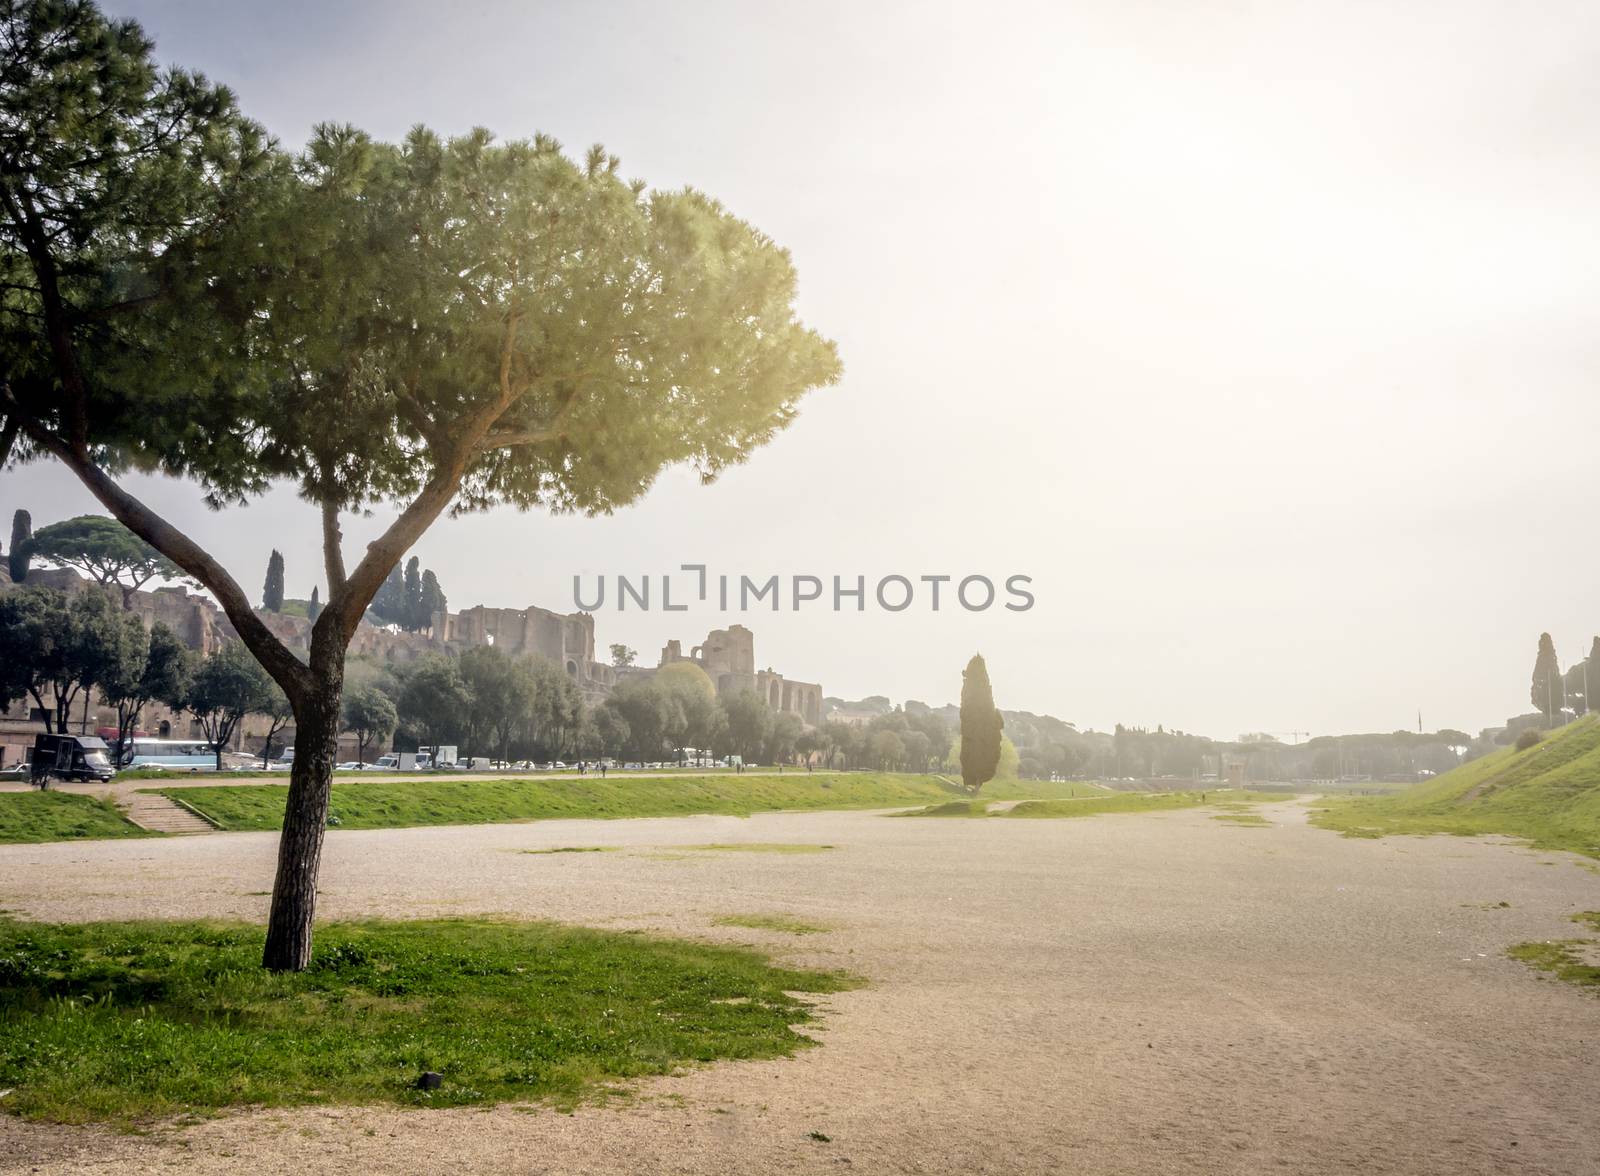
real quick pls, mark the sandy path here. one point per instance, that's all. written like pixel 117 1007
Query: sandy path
pixel 1143 993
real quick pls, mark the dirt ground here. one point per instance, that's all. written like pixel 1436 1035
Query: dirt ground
pixel 1150 993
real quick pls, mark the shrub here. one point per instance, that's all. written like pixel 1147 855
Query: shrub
pixel 1528 738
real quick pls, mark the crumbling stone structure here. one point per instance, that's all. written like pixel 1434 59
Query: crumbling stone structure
pixel 728 656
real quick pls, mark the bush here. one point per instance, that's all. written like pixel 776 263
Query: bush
pixel 1528 738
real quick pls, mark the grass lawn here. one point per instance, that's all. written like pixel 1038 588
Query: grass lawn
pixel 449 800
pixel 1548 794
pixel 125 1022
pixel 61 816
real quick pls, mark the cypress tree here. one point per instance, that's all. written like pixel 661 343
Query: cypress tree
pixel 980 726
pixel 314 609
pixel 433 600
pixel 1547 693
pixel 413 601
pixel 272 590
pixel 389 603
pixel 21 532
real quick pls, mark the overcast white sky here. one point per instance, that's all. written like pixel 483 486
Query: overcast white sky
pixel 1263 336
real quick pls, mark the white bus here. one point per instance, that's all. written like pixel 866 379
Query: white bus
pixel 179 754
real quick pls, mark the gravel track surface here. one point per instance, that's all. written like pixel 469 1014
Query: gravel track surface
pixel 1132 993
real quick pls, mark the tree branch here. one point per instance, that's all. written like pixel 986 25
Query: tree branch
pixel 332 548
pixel 346 607
pixel 8 435
pixel 510 438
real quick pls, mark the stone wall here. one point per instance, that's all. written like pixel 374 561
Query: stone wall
pixel 567 639
pixel 728 657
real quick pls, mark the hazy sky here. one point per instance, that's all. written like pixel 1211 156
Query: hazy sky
pixel 1263 336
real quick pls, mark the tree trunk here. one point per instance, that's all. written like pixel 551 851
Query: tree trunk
pixel 305 819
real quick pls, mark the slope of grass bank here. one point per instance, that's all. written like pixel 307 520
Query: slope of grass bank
pixel 1549 795
pixel 128 1021
pixel 455 801
pixel 61 816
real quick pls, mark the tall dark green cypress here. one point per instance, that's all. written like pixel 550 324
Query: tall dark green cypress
pixel 980 726
pixel 413 605
pixel 314 609
pixel 389 605
pixel 433 600
pixel 21 532
pixel 272 590
pixel 1547 692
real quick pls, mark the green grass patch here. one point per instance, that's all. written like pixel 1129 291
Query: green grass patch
pixel 466 801
pixel 1243 820
pixel 1548 795
pixel 62 816
pixel 784 923
pixel 1575 961
pixel 759 847
pixel 125 1022
pixel 1098 800
pixel 1133 802
pixel 1016 789
pixel 951 808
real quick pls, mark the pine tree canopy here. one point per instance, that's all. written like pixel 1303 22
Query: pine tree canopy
pixel 439 324
pixel 103 549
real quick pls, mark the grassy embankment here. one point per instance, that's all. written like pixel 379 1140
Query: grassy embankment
pixel 61 816
pixel 1098 802
pixel 1549 795
pixel 123 1022
pixel 358 804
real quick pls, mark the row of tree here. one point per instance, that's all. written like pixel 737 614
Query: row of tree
pixel 493 704
pixel 409 599
pixel 58 650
